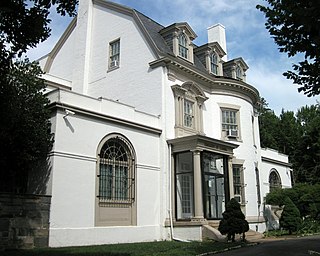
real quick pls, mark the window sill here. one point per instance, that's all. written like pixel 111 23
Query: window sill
pixel 112 68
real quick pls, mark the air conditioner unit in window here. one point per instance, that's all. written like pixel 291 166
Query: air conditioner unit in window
pixel 114 64
pixel 238 198
pixel 232 133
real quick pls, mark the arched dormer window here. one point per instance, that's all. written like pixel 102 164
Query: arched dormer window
pixel 239 74
pixel 274 180
pixel 183 46
pixel 189 100
pixel 214 63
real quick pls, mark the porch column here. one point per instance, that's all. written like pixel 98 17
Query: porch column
pixel 198 202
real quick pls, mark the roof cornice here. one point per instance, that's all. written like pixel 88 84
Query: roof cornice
pixel 213 84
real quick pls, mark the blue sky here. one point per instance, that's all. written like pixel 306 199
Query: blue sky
pixel 246 38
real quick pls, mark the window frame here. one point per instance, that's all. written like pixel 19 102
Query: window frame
pixel 188 116
pixel 240 184
pixel 114 54
pixel 183 49
pixel 117 152
pixel 272 184
pixel 214 65
pixel 239 72
pixel 225 133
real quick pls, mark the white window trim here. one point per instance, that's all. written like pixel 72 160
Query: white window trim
pixel 226 134
pixel 114 59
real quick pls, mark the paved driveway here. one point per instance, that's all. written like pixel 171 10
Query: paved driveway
pixel 291 247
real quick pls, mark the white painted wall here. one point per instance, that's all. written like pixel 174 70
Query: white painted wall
pixel 63 63
pixel 74 175
pixel 283 170
pixel 133 83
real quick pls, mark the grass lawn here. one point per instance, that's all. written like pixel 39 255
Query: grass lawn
pixel 168 248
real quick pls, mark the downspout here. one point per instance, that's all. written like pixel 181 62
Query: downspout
pixel 170 201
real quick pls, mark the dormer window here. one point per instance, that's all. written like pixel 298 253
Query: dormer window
pixel 183 46
pixel 214 63
pixel 239 74
pixel 179 37
pixel 235 69
pixel 210 55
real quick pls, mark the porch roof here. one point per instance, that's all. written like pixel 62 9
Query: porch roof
pixel 201 143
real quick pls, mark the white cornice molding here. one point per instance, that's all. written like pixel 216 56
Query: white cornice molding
pixel 214 85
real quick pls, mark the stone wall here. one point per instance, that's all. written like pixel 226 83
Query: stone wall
pixel 24 221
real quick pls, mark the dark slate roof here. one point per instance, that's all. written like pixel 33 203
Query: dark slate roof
pixel 153 28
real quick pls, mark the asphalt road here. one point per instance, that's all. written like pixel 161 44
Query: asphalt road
pixel 291 247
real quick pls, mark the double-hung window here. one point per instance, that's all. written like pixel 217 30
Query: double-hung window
pixel 239 74
pixel 183 46
pixel 114 60
pixel 237 183
pixel 229 122
pixel 188 113
pixel 214 63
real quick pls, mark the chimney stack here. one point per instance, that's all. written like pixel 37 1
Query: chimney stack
pixel 217 33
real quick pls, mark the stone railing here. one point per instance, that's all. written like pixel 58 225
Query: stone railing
pixel 24 221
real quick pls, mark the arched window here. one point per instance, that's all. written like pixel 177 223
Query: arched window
pixel 116 171
pixel 183 46
pixel 274 180
pixel 214 63
pixel 239 74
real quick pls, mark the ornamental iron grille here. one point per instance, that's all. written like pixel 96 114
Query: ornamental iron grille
pixel 116 172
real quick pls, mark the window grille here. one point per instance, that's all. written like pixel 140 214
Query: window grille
pixel 116 172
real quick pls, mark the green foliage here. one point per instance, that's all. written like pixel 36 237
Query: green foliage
pixel 290 217
pixel 298 136
pixel 233 221
pixel 24 24
pixel 306 197
pixel 25 137
pixel 294 25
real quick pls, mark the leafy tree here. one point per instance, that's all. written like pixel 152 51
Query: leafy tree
pixel 25 136
pixel 305 197
pixel 306 156
pixel 23 24
pixel 290 217
pixel 268 126
pixel 294 25
pixel 287 134
pixel 233 221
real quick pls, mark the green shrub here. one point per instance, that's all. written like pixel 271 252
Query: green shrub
pixel 290 217
pixel 233 221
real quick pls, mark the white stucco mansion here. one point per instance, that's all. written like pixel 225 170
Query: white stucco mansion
pixel 153 134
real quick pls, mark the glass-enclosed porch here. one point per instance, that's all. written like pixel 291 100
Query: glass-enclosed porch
pixel 201 168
